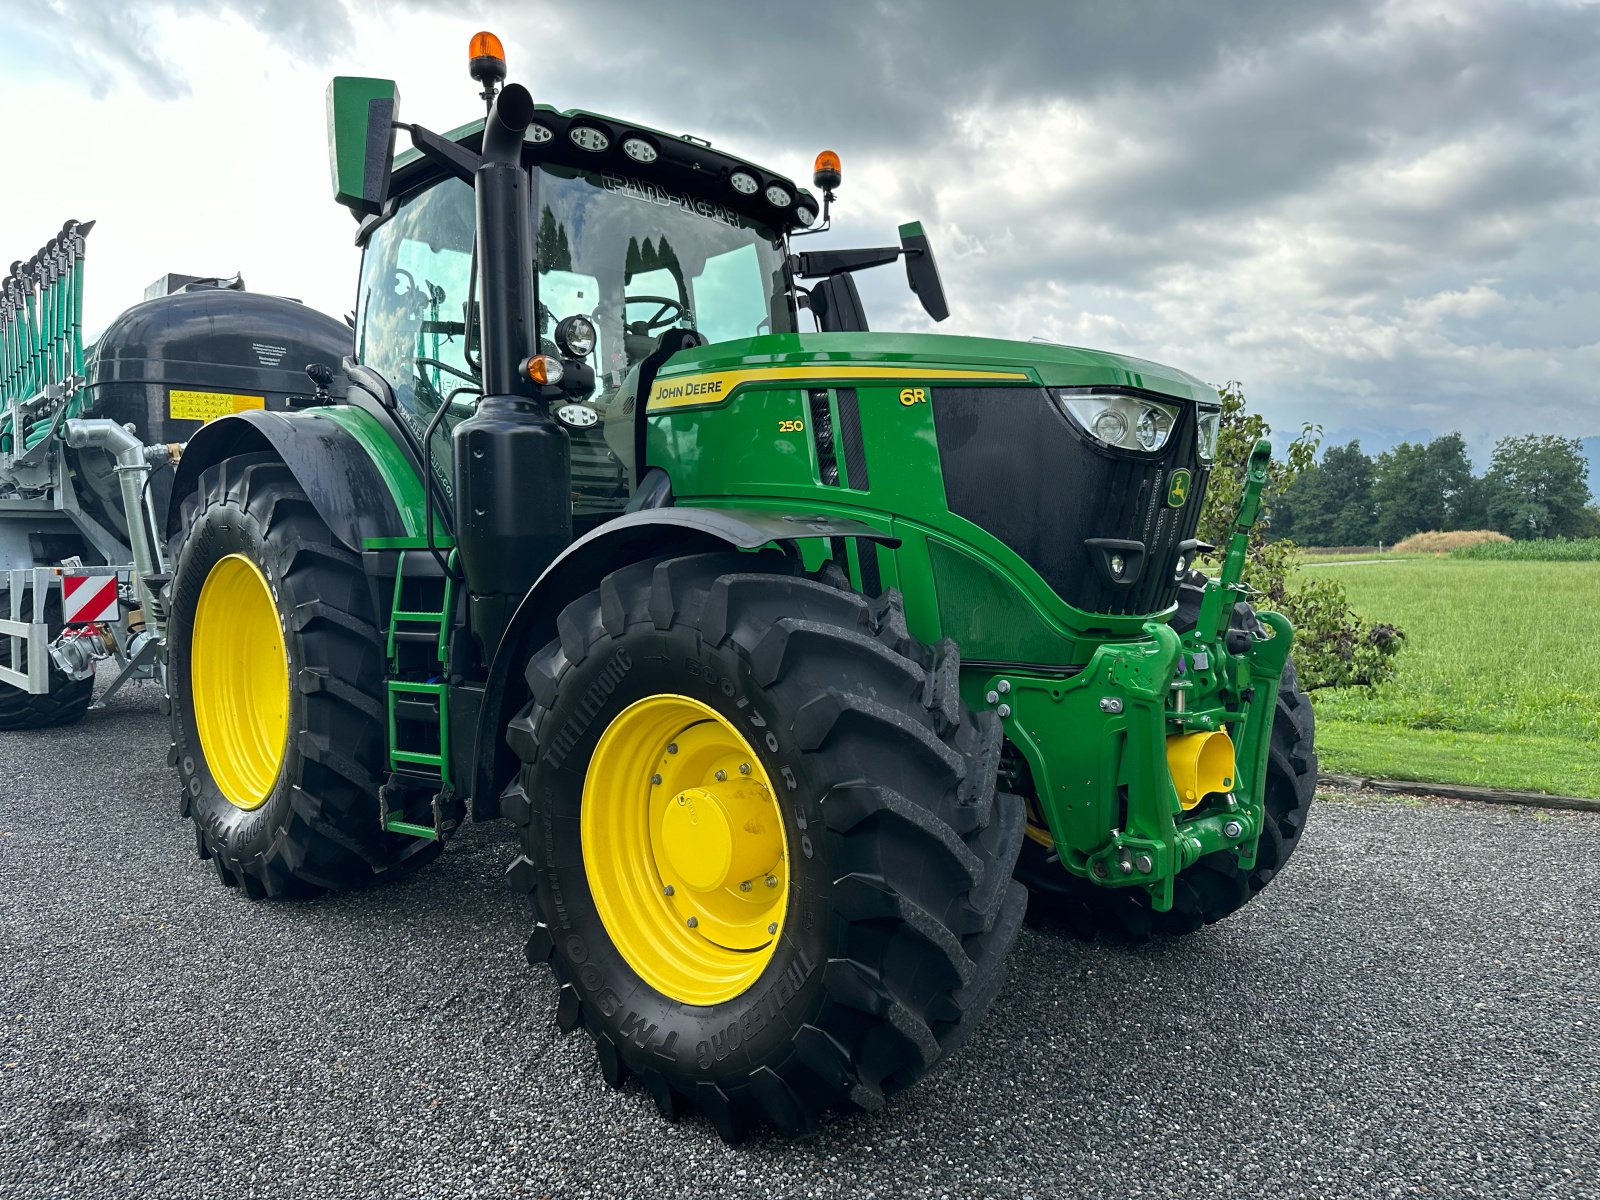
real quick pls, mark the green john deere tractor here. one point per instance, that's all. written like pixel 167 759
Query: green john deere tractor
pixel 803 661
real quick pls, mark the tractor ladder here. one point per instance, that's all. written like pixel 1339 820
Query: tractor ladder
pixel 418 798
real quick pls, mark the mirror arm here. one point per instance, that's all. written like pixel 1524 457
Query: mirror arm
pixel 461 163
pixel 818 264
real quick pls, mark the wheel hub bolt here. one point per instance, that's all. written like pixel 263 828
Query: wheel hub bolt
pixel 746 886
pixel 668 890
pixel 772 881
pixel 672 747
pixel 655 779
pixel 744 768
pixel 722 776
pixel 1232 829
pixel 692 922
pixel 773 928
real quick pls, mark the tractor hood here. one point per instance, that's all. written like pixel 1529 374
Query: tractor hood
pixel 1044 363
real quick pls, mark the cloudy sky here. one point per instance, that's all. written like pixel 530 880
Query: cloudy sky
pixel 1382 217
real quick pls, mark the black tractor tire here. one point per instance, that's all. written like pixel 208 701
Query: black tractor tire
pixel 66 701
pixel 318 828
pixel 1215 887
pixel 901 898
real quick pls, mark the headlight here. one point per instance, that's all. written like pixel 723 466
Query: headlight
pixel 575 335
pixel 1115 419
pixel 1210 425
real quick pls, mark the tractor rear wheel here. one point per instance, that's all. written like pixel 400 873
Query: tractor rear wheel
pixel 767 859
pixel 66 701
pixel 1214 887
pixel 275 673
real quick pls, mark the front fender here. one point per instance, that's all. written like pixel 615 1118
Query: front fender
pixel 648 533
pixel 352 471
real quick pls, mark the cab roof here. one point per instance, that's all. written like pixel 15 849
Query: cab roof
pixel 680 163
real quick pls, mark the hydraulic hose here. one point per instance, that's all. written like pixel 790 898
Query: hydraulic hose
pixel 134 460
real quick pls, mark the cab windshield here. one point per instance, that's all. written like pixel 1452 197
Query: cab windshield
pixel 638 259
pixel 633 257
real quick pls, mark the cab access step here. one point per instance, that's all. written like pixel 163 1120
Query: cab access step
pixel 418 798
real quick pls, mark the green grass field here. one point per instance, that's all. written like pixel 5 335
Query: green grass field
pixel 1539 550
pixel 1498 683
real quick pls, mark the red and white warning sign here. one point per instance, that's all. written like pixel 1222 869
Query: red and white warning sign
pixel 86 599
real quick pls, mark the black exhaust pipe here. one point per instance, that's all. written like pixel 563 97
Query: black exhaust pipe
pixel 505 249
pixel 513 460
pixel 508 120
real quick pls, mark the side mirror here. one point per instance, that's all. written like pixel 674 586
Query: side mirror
pixel 361 128
pixel 922 272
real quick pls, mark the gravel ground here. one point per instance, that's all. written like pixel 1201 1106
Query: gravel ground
pixel 1413 1009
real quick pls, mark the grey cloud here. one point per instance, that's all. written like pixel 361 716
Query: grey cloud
pixel 1377 213
pixel 890 72
pixel 110 38
pixel 104 39
pixel 1291 119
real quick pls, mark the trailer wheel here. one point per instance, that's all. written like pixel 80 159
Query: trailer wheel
pixel 1214 887
pixel 66 701
pixel 767 859
pixel 275 674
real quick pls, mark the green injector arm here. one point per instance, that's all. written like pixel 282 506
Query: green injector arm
pixel 1221 598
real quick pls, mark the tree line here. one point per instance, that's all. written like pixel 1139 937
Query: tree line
pixel 1535 487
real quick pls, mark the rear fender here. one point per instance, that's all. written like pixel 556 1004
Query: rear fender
pixel 337 461
pixel 649 533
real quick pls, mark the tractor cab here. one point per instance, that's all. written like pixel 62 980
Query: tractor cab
pixel 643 244
pixel 628 272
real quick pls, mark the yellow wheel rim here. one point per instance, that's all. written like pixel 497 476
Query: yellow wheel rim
pixel 239 680
pixel 684 849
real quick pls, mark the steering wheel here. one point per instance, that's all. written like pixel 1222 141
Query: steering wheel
pixel 668 314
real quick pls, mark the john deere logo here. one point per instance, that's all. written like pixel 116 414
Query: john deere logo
pixel 1178 489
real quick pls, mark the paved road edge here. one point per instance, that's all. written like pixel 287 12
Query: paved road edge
pixel 1456 791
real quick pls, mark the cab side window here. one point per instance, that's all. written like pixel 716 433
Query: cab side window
pixel 411 311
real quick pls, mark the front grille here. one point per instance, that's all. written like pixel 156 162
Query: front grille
pixel 1016 466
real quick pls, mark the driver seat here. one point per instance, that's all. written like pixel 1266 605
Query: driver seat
pixel 627 438
pixel 637 342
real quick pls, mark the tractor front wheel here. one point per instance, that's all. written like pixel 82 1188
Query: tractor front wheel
pixel 275 674
pixel 767 859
